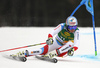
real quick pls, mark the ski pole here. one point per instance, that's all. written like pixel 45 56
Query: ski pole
pixel 23 47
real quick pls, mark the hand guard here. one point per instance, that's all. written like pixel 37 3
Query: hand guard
pixel 49 41
pixel 70 52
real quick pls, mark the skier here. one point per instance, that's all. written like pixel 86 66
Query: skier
pixel 65 42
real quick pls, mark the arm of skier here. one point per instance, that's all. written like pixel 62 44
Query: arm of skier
pixel 76 40
pixel 76 43
pixel 55 31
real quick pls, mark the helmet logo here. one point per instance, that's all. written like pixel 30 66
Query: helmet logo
pixel 71 21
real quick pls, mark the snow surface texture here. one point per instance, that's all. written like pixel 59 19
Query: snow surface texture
pixel 11 37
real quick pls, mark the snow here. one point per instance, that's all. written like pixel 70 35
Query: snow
pixel 84 57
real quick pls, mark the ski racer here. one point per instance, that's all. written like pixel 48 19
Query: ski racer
pixel 64 43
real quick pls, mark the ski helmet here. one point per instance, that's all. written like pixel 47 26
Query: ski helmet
pixel 71 21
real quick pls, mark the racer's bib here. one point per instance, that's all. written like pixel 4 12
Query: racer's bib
pixel 64 36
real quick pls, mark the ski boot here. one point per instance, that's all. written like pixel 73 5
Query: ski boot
pixel 48 57
pixel 51 54
pixel 20 56
pixel 70 52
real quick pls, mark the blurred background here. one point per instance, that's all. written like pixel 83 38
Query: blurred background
pixel 25 13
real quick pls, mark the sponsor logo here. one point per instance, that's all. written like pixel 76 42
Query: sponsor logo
pixel 70 38
pixel 72 23
pixel 77 35
pixel 66 33
pixel 34 52
pixel 64 48
pixel 89 4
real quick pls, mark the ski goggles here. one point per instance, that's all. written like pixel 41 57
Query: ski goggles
pixel 72 27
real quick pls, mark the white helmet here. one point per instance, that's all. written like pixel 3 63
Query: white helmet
pixel 71 21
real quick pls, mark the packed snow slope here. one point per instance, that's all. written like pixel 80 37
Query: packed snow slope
pixel 84 57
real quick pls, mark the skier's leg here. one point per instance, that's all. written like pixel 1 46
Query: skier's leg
pixel 44 50
pixel 39 51
pixel 63 50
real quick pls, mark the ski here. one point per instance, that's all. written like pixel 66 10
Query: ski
pixel 54 60
pixel 23 59
pixel 14 57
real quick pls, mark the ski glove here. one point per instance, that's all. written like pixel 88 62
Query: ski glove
pixel 49 41
pixel 70 52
